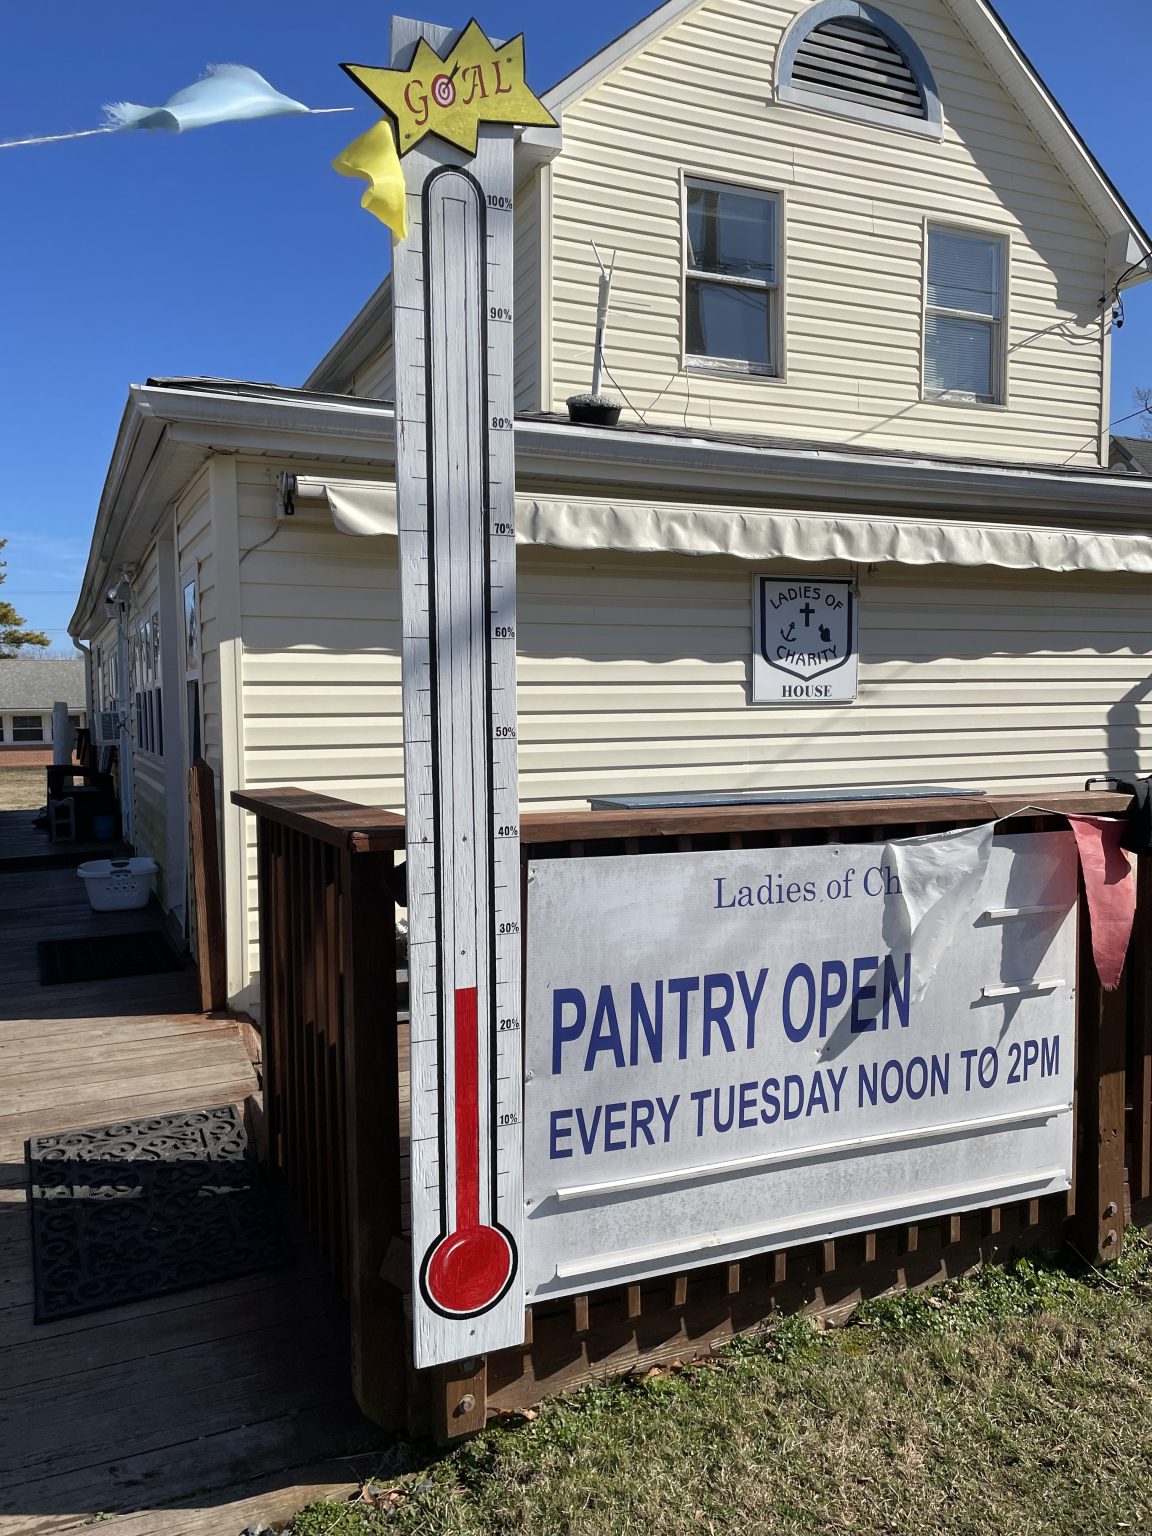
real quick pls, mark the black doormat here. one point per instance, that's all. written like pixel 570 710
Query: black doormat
pixel 124 1212
pixel 103 957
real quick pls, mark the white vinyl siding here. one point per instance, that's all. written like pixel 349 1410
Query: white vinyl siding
pixel 634 675
pixel 731 262
pixel 527 280
pixel 375 379
pixel 964 306
pixel 693 102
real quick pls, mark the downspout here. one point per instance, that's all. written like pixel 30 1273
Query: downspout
pixel 89 692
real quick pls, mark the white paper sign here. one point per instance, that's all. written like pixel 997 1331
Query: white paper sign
pixel 805 641
pixel 725 1057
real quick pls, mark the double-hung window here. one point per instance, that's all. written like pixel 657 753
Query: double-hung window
pixel 731 278
pixel 964 317
pixel 27 727
pixel 146 691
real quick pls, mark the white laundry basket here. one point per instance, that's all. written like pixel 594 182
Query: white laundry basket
pixel 117 885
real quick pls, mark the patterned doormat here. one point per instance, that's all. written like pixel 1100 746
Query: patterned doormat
pixel 105 956
pixel 124 1212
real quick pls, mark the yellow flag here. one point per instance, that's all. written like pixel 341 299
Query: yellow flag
pixel 373 155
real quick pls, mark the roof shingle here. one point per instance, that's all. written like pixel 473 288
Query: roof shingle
pixel 36 683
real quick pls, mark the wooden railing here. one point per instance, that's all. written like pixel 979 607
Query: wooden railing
pixel 328 1016
pixel 336 1086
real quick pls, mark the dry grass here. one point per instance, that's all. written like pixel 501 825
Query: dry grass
pixel 22 789
pixel 1016 1404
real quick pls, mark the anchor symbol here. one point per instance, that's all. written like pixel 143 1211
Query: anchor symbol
pixel 790 632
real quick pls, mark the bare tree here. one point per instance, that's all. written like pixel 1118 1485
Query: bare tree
pixel 1143 398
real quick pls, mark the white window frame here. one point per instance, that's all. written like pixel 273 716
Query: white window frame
pixel 741 367
pixel 28 741
pixel 146 691
pixel 999 401
pixel 191 665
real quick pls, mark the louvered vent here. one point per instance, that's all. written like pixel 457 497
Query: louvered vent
pixel 854 61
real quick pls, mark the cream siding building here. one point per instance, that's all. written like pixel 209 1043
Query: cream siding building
pixel 1005 575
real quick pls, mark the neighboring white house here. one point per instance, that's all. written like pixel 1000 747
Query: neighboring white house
pixel 29 688
pixel 862 322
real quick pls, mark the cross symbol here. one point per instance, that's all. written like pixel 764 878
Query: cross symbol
pixel 807 611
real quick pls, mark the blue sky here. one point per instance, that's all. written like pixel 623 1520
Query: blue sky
pixel 238 252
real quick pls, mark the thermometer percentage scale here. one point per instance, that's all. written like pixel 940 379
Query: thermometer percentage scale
pixel 455 473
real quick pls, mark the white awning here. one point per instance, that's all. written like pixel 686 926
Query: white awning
pixel 368 508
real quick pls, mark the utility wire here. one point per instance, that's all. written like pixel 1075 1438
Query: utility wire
pixel 1145 410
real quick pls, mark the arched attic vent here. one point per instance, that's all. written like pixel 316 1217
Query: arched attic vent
pixel 845 57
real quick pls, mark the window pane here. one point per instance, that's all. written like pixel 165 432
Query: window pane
pixel 964 273
pixel 728 322
pixel 731 232
pixel 191 628
pixel 27 728
pixel 958 357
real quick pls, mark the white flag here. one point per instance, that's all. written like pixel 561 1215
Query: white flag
pixel 940 878
pixel 228 93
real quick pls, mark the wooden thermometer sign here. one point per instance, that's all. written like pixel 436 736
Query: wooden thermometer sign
pixel 453 98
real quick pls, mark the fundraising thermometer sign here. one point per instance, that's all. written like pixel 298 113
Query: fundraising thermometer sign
pixel 455 482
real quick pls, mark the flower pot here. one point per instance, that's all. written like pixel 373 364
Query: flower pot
pixel 593 413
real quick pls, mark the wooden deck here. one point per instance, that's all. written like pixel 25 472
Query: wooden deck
pixel 197 1412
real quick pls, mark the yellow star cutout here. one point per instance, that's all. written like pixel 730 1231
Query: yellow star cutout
pixel 477 83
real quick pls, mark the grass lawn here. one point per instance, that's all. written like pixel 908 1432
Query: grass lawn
pixel 1015 1403
pixel 22 789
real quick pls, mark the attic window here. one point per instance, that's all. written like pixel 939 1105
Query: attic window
pixel 848 58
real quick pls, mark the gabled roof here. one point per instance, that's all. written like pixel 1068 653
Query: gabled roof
pixel 1131 456
pixel 357 343
pixel 36 683
pixel 992 39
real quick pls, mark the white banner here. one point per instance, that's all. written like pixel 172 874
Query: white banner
pixel 725 1056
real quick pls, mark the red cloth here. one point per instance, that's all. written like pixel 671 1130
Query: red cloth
pixel 1110 885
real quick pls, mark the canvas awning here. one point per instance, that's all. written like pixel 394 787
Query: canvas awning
pixel 641 526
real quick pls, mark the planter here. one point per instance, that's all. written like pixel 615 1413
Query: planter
pixel 593 411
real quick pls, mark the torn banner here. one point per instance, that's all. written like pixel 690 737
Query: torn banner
pixel 940 878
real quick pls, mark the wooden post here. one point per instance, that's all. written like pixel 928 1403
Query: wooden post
pixel 459 1399
pixel 1101 1048
pixel 1139 971
pixel 210 952
pixel 372 1131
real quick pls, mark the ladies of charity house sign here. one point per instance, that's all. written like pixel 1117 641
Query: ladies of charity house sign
pixel 806 645
pixel 452 112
